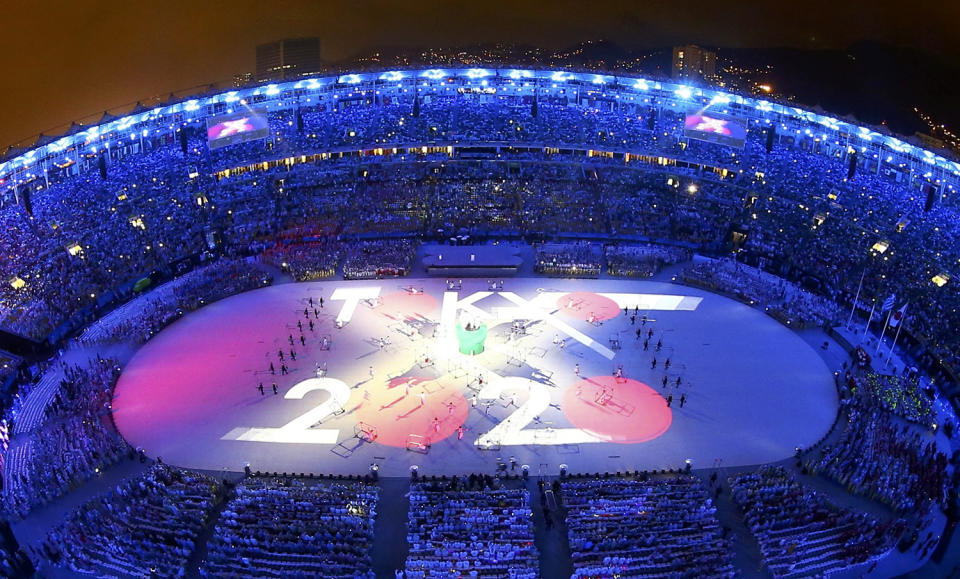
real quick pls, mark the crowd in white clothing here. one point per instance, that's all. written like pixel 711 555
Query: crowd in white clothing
pixel 658 526
pixel 147 526
pixel 378 259
pixel 281 527
pixel 461 529
pixel 569 259
pixel 640 261
pixel 781 299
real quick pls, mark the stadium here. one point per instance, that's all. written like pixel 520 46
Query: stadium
pixel 478 322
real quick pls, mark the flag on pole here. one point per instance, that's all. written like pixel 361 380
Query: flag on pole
pixel 889 303
pixel 897 316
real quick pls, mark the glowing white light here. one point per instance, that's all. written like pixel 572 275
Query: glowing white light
pixel 391 76
pixel 433 74
pixel 684 92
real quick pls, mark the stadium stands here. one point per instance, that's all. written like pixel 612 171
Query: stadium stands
pixel 597 188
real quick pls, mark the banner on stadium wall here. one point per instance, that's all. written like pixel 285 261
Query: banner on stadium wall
pixel 715 129
pixel 247 125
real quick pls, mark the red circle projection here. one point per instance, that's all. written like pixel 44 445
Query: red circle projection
pixel 588 306
pixel 618 410
pixel 396 411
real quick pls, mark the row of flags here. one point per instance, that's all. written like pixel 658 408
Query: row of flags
pixel 894 319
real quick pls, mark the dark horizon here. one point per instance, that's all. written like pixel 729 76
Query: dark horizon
pixel 72 62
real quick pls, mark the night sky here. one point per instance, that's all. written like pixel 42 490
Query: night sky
pixel 67 60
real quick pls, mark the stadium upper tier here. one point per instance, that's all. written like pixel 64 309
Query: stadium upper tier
pixel 628 95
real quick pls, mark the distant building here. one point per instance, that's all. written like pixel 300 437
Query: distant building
pixel 694 63
pixel 288 58
pixel 930 142
pixel 242 79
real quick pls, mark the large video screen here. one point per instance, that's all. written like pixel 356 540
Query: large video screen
pixel 715 129
pixel 248 125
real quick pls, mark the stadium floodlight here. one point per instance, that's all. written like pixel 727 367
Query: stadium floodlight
pixel 518 74
pixel 720 98
pixel 191 105
pixel 478 73
pixel 349 79
pixel 598 79
pixel 641 84
pixel 560 76
pixel 433 74
pixel 231 97
pixel 272 89
pixel 392 76
pixel 126 122
pixel 684 92
pixel 59 144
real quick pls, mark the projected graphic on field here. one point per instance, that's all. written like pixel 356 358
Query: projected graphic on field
pixel 388 371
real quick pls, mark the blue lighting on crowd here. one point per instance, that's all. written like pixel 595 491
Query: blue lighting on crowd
pixel 667 95
pixel 720 98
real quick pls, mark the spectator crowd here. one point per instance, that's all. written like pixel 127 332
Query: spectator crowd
pixel 660 526
pixel 466 528
pixel 277 527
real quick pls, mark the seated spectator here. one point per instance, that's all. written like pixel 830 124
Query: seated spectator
pixel 289 527
pixel 664 526
pixel 801 533
pixel 456 528
pixel 146 526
